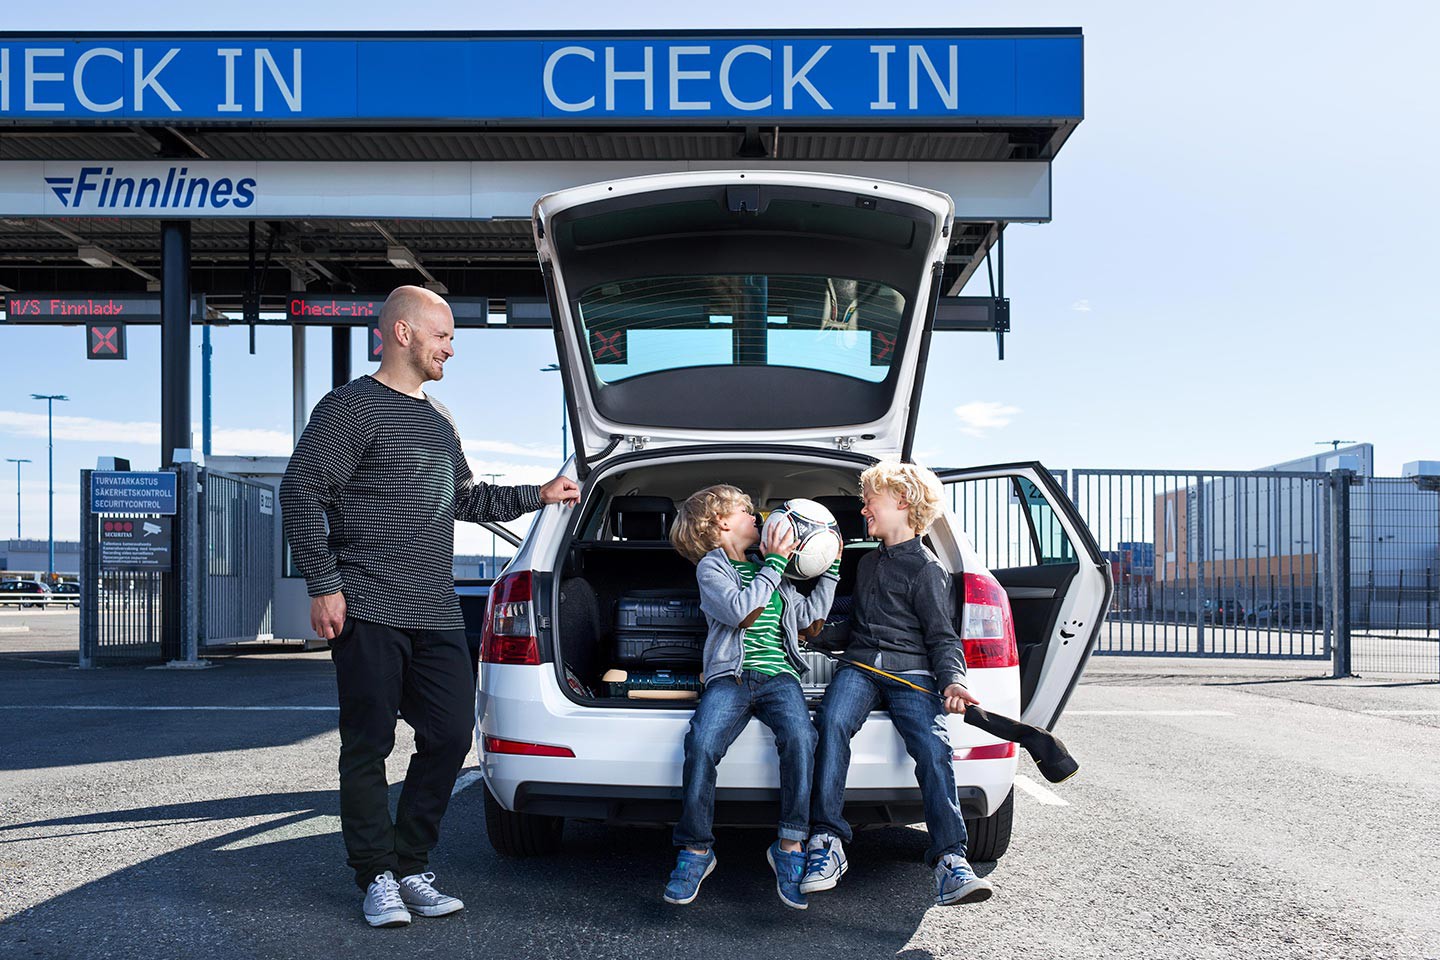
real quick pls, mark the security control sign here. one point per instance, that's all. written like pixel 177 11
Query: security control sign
pixel 115 491
pixel 138 544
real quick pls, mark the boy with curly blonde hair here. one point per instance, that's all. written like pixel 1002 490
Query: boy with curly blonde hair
pixel 902 622
pixel 752 667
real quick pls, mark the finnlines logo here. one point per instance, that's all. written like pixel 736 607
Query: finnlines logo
pixel 98 188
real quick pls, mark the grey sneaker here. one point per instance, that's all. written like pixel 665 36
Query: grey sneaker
pixel 424 900
pixel 956 883
pixel 825 863
pixel 383 906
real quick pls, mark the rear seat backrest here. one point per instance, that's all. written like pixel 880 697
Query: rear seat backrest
pixel 847 516
pixel 641 517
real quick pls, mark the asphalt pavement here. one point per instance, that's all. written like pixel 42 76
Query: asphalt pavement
pixel 1251 809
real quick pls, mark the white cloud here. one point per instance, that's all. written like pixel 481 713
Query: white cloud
pixel 83 429
pixel 1081 306
pixel 512 472
pixel 980 416
pixel 245 442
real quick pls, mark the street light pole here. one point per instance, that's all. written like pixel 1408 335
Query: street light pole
pixel 17 491
pixel 50 399
pixel 564 413
pixel 493 477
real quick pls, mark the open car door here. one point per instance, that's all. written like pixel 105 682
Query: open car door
pixel 1028 533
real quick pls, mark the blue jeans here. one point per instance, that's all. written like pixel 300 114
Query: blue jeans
pixel 920 721
pixel 725 708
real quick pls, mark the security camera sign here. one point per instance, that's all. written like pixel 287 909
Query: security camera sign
pixel 135 544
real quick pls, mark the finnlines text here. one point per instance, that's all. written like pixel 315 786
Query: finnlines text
pixel 176 191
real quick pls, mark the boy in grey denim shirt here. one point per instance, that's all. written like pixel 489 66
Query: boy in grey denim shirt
pixel 902 622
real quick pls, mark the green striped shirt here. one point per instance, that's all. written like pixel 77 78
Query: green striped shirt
pixel 764 647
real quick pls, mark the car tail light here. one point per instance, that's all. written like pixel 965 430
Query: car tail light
pixel 523 749
pixel 509 632
pixel 987 628
pixel 987 751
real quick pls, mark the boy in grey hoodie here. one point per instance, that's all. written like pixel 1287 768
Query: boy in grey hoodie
pixel 752 667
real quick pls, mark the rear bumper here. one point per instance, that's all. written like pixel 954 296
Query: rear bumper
pixel 626 763
pixel 734 806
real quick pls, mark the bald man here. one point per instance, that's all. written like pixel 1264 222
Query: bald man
pixel 370 501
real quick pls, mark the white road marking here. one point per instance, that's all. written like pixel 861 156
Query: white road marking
pixel 1043 794
pixel 1148 713
pixel 1404 713
pixel 58 663
pixel 87 706
pixel 465 780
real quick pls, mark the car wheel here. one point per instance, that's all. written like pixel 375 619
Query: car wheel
pixel 521 834
pixel 990 836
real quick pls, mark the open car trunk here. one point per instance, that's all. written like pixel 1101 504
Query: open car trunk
pixel 626 600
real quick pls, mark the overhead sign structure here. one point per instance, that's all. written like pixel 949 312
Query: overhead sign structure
pixel 136 544
pixel 114 491
pixel 1011 190
pixel 105 341
pixel 51 308
pixel 904 76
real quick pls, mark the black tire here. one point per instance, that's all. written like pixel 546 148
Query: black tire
pixel 521 834
pixel 990 836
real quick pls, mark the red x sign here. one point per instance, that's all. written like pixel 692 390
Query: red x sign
pixel 881 347
pixel 608 347
pixel 376 343
pixel 105 341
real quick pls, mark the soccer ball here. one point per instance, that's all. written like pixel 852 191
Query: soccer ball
pixel 817 537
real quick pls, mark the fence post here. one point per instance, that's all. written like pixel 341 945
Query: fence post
pixel 188 568
pixel 89 580
pixel 1340 570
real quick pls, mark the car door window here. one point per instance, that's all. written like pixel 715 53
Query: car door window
pixel 1010 522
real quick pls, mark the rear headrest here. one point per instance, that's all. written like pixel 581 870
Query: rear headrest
pixel 847 516
pixel 641 518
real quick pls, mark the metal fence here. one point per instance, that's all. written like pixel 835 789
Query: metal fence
pixel 219 588
pixel 1394 609
pixel 238 579
pixel 1211 563
pixel 1263 564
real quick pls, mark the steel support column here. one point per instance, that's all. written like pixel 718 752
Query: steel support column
pixel 174 339
pixel 340 356
pixel 298 410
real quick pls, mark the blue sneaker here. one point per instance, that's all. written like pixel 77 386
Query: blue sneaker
pixel 789 871
pixel 956 883
pixel 690 871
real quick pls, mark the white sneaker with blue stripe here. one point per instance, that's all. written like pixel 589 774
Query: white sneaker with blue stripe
pixel 825 863
pixel 956 883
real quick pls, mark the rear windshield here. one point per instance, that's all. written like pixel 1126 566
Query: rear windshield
pixel 643 325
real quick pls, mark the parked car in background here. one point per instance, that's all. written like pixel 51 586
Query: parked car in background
pixel 24 593
pixel 66 593
pixel 1224 610
pixel 1293 613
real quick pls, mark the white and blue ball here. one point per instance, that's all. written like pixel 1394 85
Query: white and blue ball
pixel 817 537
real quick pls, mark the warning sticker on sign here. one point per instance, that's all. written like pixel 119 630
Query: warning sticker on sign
pixel 135 544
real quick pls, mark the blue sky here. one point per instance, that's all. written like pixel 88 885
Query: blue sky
pixel 1240 262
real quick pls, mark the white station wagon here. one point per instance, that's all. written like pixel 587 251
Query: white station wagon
pixel 768 330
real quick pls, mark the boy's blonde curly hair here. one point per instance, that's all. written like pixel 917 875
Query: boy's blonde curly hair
pixel 912 484
pixel 696 529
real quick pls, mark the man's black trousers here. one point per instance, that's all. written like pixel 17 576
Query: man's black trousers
pixel 427 677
